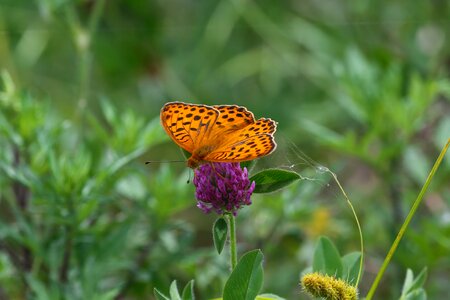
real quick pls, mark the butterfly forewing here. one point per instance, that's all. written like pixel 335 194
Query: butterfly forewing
pixel 188 124
pixel 232 118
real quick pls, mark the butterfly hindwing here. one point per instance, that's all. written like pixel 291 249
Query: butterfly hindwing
pixel 247 149
pixel 253 141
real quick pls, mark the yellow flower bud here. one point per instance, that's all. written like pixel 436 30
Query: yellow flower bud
pixel 328 287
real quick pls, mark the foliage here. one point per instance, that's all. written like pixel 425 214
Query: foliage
pixel 64 189
pixel 413 287
pixel 328 261
pixel 220 234
pixel 362 88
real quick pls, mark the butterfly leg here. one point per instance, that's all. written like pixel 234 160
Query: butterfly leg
pixel 215 171
pixel 189 178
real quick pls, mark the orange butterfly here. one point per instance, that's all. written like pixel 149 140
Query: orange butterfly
pixel 218 133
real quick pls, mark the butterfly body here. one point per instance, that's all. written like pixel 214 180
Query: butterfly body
pixel 219 133
pixel 198 156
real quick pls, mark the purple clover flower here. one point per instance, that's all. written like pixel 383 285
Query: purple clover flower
pixel 222 187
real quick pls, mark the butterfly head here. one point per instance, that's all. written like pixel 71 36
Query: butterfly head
pixel 193 163
pixel 197 157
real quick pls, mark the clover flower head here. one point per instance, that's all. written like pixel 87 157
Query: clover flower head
pixel 222 187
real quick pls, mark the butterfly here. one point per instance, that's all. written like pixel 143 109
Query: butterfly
pixel 218 133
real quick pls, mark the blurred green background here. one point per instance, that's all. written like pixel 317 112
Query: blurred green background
pixel 359 87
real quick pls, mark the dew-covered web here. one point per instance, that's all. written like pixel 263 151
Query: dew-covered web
pixel 290 157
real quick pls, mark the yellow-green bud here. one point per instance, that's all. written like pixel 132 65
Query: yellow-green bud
pixel 328 287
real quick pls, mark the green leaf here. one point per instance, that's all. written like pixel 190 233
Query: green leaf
pixel 324 134
pixel 441 133
pixel 159 295
pixel 271 180
pixel 327 259
pixel 350 263
pixel 173 291
pixel 108 295
pixel 188 291
pixel 246 279
pixel 408 282
pixel 268 297
pixel 419 281
pixel 418 294
pixel 186 153
pixel 417 164
pixel 249 164
pixel 220 232
pixel 108 110
pixel 38 288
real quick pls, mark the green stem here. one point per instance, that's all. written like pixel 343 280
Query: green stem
pixel 406 223
pixel 232 230
pixel 83 40
pixel 361 240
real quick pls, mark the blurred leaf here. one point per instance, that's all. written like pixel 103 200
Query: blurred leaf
pixel 249 164
pixel 186 153
pixel 412 287
pixel 246 279
pixel 159 295
pixel 350 263
pixel 109 111
pixel 271 180
pixel 322 133
pixel 268 297
pixel 174 294
pixel 220 233
pixel 408 281
pixel 152 134
pixel 7 90
pixel 188 291
pixel 31 46
pixel 109 295
pixel 113 169
pixel 441 135
pixel 442 132
pixel 15 173
pixel 418 281
pixel 241 66
pixel 327 259
pixel 417 164
pixel 39 289
pixel 417 294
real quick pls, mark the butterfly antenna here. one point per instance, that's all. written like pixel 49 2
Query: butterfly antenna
pixel 163 161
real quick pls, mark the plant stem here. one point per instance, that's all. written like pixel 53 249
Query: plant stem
pixel 361 240
pixel 406 223
pixel 68 247
pixel 232 230
pixel 83 40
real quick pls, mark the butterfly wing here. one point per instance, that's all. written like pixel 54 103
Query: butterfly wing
pixel 232 118
pixel 188 124
pixel 253 141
